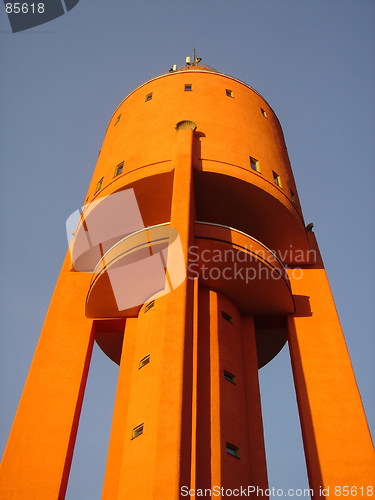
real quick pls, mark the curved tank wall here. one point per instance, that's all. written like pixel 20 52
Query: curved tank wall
pixel 243 177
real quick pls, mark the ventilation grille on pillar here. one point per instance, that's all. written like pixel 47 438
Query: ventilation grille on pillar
pixel 186 124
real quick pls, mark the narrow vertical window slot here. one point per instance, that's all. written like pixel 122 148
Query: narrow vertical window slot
pixel 99 185
pixel 276 179
pixel 119 168
pixel 254 164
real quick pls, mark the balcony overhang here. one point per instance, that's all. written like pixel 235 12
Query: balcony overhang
pixel 140 267
pixel 149 263
pixel 233 196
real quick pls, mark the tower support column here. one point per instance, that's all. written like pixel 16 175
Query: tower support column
pixel 38 455
pixel 336 437
pixel 172 454
pixel 228 398
pixel 257 452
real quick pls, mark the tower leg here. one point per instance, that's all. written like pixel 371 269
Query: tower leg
pixel 336 437
pixel 120 434
pixel 38 455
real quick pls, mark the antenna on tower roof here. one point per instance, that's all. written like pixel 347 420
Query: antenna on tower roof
pixel 196 60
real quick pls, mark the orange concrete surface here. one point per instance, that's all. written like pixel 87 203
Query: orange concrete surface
pixel 257 455
pixel 38 454
pixel 233 409
pixel 186 154
pixel 337 440
pixel 229 131
pixel 119 434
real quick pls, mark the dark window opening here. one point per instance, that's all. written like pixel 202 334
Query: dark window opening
pixel 149 306
pixel 99 185
pixel 137 431
pixel 227 317
pixel 254 164
pixel 232 450
pixel 188 87
pixel 119 168
pixel 144 361
pixel 230 377
pixel 148 97
pixel 263 112
pixel 229 92
pixel 276 179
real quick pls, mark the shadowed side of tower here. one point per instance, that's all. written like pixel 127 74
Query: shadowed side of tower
pixel 189 296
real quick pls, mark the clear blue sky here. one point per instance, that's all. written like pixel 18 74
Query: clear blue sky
pixel 313 60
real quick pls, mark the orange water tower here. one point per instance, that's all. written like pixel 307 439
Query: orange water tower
pixel 191 266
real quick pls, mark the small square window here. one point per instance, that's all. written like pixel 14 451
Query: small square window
pixel 229 92
pixel 137 431
pixel 117 120
pixel 144 361
pixel 232 450
pixel 148 97
pixel 254 164
pixel 188 87
pixel 263 112
pixel 119 168
pixel 149 306
pixel 230 377
pixel 227 317
pixel 99 185
pixel 293 196
pixel 276 179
